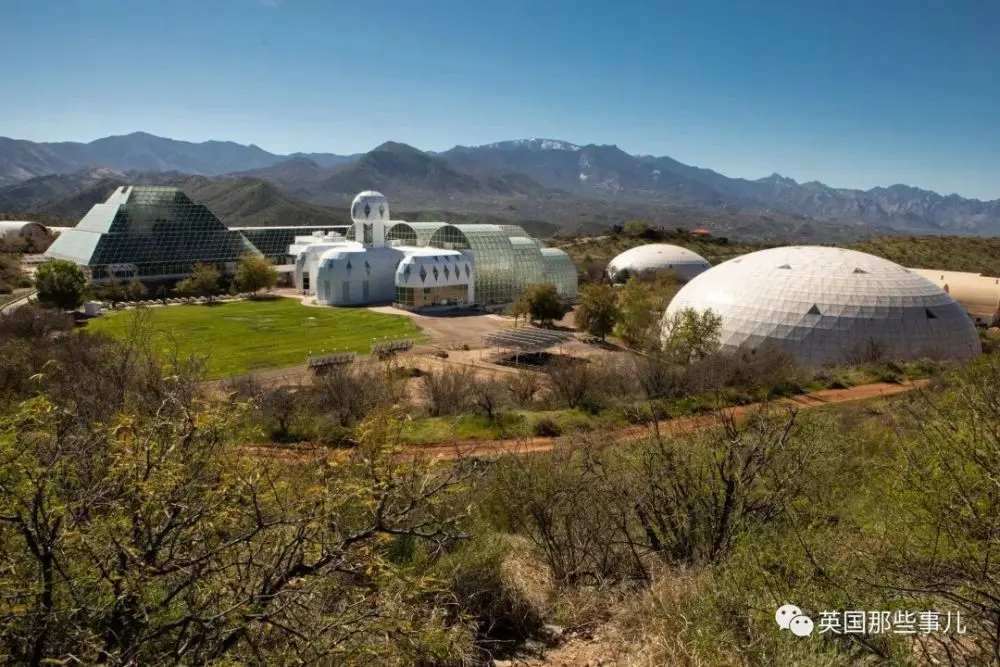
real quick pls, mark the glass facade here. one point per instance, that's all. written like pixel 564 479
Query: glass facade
pixel 529 263
pixel 561 271
pixel 156 230
pixel 496 281
pixel 507 259
pixel 273 242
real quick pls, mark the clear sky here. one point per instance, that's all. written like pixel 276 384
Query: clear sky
pixel 855 93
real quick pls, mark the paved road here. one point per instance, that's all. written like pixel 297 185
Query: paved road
pixel 447 451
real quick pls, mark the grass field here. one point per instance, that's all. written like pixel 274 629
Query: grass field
pixel 244 336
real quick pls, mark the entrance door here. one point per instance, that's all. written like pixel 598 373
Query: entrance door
pixel 347 291
pixel 365 296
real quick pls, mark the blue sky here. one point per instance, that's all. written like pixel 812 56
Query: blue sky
pixel 855 93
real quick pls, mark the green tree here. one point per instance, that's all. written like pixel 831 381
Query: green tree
pixel 544 304
pixel 112 291
pixel 520 308
pixel 597 312
pixel 61 284
pixel 638 316
pixel 135 290
pixel 635 228
pixel 254 274
pixel 690 334
pixel 203 282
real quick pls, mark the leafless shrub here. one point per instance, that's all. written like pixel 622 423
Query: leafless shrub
pixel 573 381
pixel 524 387
pixel 348 393
pixel 448 391
pixel 871 351
pixel 490 395
pixel 657 376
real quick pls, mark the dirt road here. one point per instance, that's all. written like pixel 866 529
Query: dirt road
pixel 447 451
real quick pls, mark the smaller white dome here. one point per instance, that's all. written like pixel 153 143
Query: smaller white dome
pixel 659 256
pixel 370 206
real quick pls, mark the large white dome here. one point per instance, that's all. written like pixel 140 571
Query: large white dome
pixel 370 206
pixel 657 256
pixel 826 304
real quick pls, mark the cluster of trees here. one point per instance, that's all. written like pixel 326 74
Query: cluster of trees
pixel 633 313
pixel 63 284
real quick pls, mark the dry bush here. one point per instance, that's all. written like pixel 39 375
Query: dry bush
pixel 275 409
pixel 694 496
pixel 496 581
pixel 657 377
pixel 573 508
pixel 587 385
pixel 524 387
pixel 871 351
pixel 490 395
pixel 347 394
pixel 448 391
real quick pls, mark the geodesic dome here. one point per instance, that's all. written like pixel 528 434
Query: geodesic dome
pixel 825 305
pixel 656 257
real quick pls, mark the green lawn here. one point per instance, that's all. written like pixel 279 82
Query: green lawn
pixel 244 336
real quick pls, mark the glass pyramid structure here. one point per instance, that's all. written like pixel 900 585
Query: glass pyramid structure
pixel 150 232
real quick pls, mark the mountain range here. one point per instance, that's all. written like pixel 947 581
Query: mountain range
pixel 543 180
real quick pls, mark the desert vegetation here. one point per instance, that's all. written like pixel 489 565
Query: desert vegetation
pixel 137 526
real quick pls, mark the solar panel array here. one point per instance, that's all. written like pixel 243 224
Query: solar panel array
pixel 527 339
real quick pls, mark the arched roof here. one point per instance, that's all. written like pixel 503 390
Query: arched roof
pixel 21 228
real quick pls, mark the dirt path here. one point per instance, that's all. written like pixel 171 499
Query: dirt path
pixel 448 451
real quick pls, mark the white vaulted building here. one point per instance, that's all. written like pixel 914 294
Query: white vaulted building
pixel 365 267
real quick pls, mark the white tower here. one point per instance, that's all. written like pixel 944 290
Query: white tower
pixel 369 213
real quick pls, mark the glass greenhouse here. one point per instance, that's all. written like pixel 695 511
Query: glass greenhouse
pixel 507 259
pixel 149 232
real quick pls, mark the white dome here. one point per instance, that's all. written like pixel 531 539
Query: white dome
pixel 370 206
pixel 657 256
pixel 825 304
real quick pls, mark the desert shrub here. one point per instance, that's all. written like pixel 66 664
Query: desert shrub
pixel 657 376
pixel 571 508
pixel 489 395
pixel 497 584
pixel 546 427
pixel 585 385
pixel 276 409
pixel 347 394
pixel 524 387
pixel 448 391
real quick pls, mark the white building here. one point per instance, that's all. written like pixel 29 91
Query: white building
pixel 657 257
pixel 366 268
pixel 827 305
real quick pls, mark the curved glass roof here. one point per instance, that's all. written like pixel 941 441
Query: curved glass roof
pixel 561 271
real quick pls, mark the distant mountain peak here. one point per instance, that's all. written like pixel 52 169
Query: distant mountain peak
pixel 395 147
pixel 533 144
pixel 777 179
